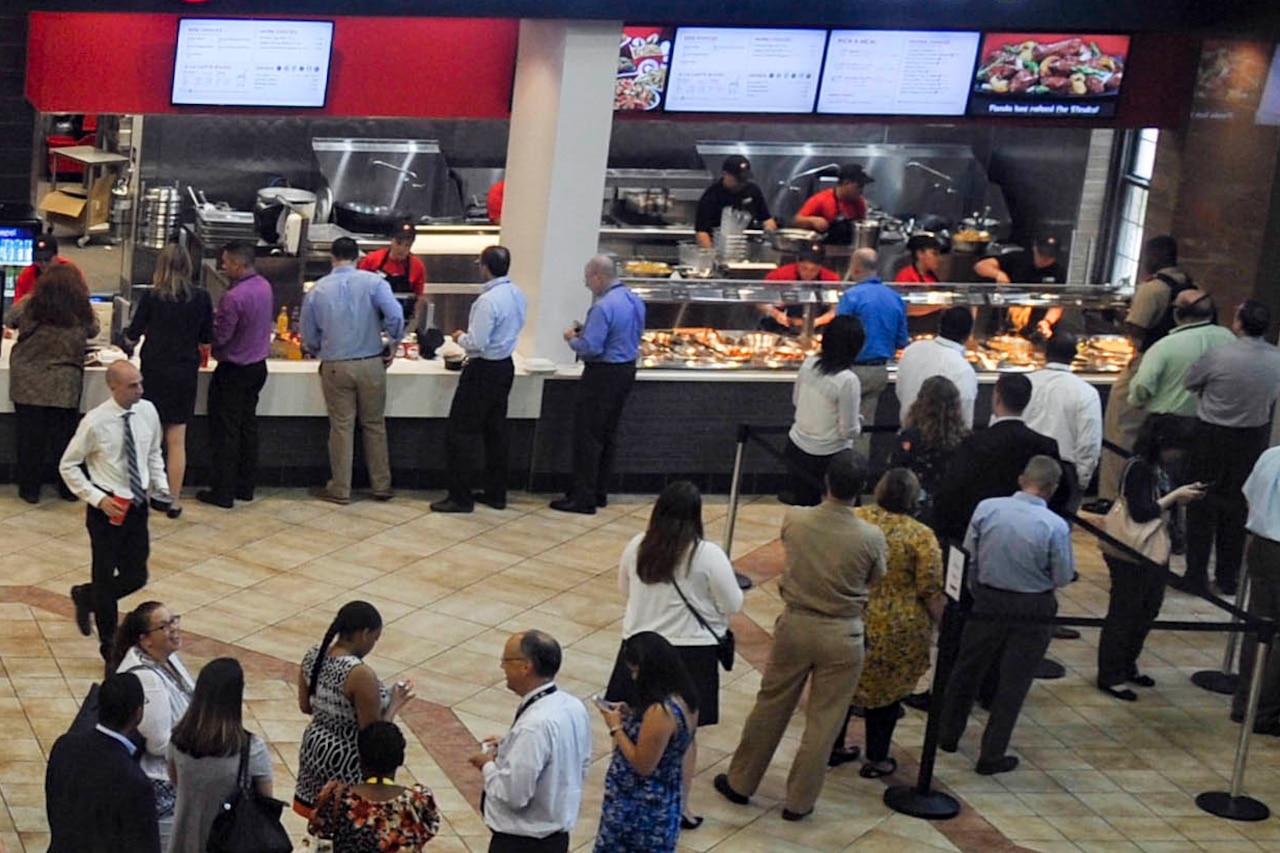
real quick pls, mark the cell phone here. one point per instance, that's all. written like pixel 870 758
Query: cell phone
pixel 486 747
pixel 1206 485
pixel 601 702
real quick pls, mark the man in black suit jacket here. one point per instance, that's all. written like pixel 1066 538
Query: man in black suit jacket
pixel 988 463
pixel 97 798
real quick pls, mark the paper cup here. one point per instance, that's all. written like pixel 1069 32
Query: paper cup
pixel 124 504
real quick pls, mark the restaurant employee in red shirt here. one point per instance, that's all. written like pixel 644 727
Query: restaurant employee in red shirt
pixel 404 272
pixel 833 212
pixel 926 254
pixel 807 268
pixel 44 254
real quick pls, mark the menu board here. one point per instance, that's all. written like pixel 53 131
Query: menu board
pixel 251 63
pixel 1049 75
pixel 726 70
pixel 1269 106
pixel 644 56
pixel 897 72
pixel 16 246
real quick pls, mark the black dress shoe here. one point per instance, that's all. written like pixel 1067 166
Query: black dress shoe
pixel 209 496
pixel 688 823
pixel 948 747
pixel 450 505
pixel 1049 669
pixel 1124 694
pixel 570 505
pixel 67 495
pixel 1141 680
pixel 788 814
pixel 1062 632
pixel 80 598
pixel 840 755
pixel 918 701
pixel 602 501
pixel 492 503
pixel 721 784
pixel 245 496
pixel 31 497
pixel 999 765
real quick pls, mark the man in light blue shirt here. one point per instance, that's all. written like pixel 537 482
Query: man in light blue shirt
pixel 1020 552
pixel 478 416
pixel 608 344
pixel 344 320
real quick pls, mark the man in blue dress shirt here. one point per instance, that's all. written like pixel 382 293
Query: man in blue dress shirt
pixel 608 344
pixel 1020 552
pixel 884 319
pixel 344 318
pixel 478 416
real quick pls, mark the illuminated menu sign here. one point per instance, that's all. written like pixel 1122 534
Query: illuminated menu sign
pixel 251 63
pixel 897 72
pixel 724 70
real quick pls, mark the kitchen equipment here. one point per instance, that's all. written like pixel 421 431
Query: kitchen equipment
pixel 364 218
pixel 158 220
pixel 983 221
pixel 698 259
pixel 792 240
pixel 278 214
pixel 377 182
pixel 866 234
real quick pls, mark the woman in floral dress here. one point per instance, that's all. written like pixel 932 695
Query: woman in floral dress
pixel 377 816
pixel 642 790
pixel 901 613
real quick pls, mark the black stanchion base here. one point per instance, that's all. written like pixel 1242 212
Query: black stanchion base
pixel 1048 670
pixel 1216 681
pixel 934 805
pixel 1222 804
pixel 744 582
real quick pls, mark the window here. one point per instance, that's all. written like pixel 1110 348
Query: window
pixel 1139 160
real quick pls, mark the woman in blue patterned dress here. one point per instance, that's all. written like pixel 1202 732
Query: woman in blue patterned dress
pixel 641 810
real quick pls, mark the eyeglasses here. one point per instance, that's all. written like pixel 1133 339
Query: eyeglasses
pixel 175 622
pixel 515 660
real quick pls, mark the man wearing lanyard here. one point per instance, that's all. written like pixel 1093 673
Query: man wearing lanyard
pixel 344 318
pixel 884 319
pixel 479 411
pixel 533 777
pixel 608 344
pixel 241 343
pixel 403 272
pixel 1020 552
pixel 833 212
pixel 118 442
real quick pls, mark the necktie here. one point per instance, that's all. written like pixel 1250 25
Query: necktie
pixel 131 456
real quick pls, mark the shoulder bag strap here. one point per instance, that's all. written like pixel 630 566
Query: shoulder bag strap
pixel 243 775
pixel 692 609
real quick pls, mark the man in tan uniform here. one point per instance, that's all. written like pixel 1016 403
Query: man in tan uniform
pixel 833 557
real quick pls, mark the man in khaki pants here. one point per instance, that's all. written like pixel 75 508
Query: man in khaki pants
pixel 344 320
pixel 833 557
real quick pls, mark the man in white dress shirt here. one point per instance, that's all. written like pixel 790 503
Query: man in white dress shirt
pixel 112 462
pixel 533 777
pixel 1067 409
pixel 1262 561
pixel 942 356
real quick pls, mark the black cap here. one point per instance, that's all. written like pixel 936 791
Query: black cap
pixel 45 248
pixel 811 252
pixel 855 173
pixel 920 242
pixel 738 166
pixel 404 230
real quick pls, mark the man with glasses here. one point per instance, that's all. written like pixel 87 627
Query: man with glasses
pixel 533 777
pixel 113 461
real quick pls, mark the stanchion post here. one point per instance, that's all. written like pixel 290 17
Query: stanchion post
pixel 1224 680
pixel 735 489
pixel 1233 804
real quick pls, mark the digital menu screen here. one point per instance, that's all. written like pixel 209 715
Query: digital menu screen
pixel 251 63
pixel 1229 79
pixel 16 247
pixel 644 57
pixel 725 70
pixel 1049 75
pixel 1269 105
pixel 897 72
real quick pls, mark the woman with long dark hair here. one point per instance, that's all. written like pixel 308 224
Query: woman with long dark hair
pixel 204 754
pixel 643 789
pixel 46 373
pixel 933 430
pixel 176 318
pixel 667 573
pixel 342 695
pixel 828 399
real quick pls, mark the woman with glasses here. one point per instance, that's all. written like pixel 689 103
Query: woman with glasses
pixel 147 644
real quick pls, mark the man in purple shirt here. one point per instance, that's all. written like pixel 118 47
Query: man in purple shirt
pixel 241 343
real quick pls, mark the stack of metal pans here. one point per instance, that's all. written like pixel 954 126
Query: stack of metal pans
pixel 158 216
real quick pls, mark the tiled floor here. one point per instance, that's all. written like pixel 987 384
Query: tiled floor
pixel 263 581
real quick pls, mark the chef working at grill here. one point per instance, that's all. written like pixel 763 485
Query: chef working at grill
pixel 807 268
pixel 1039 266
pixel 736 190
pixel 833 212
pixel 926 254
pixel 404 272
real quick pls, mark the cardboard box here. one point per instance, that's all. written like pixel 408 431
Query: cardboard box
pixel 67 206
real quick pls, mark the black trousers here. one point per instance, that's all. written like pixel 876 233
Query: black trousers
pixel 880 725
pixel 1015 648
pixel 805 475
pixel 119 565
pixel 1223 456
pixel 43 433
pixel 1263 560
pixel 1137 591
pixel 233 427
pixel 478 422
pixel 501 842
pixel 602 393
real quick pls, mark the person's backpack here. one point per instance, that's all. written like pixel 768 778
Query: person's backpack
pixel 1166 322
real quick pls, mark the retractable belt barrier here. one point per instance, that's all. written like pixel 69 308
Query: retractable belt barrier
pixel 920 800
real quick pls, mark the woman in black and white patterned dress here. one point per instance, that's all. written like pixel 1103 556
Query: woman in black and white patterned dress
pixel 342 695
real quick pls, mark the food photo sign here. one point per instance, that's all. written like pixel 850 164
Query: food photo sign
pixel 1049 75
pixel 644 56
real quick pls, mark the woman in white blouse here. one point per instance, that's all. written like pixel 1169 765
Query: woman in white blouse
pixel 827 397
pixel 657 566
pixel 147 644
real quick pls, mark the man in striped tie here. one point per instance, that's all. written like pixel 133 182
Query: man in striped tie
pixel 112 462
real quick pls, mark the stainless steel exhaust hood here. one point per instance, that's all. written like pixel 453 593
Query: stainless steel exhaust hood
pixel 406 175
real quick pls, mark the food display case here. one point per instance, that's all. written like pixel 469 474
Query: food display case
pixel 712 324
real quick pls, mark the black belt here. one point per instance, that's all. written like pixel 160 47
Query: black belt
pixel 1016 591
pixel 871 362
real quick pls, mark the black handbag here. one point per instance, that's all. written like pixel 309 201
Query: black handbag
pixel 725 643
pixel 248 822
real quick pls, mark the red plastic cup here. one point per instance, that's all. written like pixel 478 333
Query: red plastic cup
pixel 124 504
pixel 204 355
